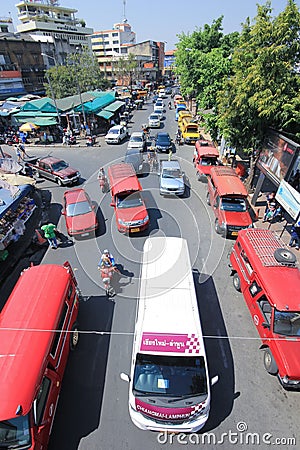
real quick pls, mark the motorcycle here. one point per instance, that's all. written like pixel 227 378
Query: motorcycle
pixel 103 181
pixel 107 275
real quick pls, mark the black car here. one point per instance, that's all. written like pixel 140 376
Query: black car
pixel 135 157
pixel 163 142
pixel 168 90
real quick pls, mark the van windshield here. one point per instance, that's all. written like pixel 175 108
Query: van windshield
pixel 287 323
pixel 131 200
pixel 170 376
pixel 15 433
pixel 208 161
pixel 233 204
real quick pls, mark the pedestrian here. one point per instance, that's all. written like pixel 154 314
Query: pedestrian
pixel 271 206
pixel 18 153
pixel 50 234
pixel 170 155
pixel 295 235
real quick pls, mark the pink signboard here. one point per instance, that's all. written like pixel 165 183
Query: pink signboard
pixel 166 413
pixel 173 343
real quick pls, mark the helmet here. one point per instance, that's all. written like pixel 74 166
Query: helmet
pixel 106 252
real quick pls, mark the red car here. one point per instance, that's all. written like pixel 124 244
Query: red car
pixel 79 212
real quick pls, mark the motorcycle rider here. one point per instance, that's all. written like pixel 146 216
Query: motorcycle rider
pixel 107 267
pixel 170 105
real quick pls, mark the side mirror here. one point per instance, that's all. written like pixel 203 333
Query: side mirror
pixel 112 204
pixel 214 380
pixel 63 213
pixel 125 377
pixel 266 325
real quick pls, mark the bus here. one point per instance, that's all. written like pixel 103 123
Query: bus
pixel 38 328
pixel 169 385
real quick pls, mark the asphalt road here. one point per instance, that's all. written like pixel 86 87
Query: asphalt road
pixel 249 407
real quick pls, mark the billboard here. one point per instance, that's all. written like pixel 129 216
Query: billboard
pixel 277 156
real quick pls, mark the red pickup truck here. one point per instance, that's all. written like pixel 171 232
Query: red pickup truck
pixel 55 169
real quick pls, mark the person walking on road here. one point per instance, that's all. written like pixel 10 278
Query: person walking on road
pixel 295 236
pixel 49 232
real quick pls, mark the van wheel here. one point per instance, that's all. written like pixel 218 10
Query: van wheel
pixel 207 196
pixel 74 338
pixel 236 282
pixel 269 362
pixel 59 182
pixel 285 256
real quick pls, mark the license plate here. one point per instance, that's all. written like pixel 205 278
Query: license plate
pixel 84 234
pixel 134 230
pixel 234 233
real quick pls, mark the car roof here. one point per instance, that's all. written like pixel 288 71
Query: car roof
pixel 163 135
pixel 132 151
pixel 137 133
pixel 115 127
pixel 51 159
pixel 174 164
pixel 75 195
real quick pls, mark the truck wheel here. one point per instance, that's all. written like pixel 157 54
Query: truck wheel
pixel 74 338
pixel 236 282
pixel 207 195
pixel 59 182
pixel 285 256
pixel 269 362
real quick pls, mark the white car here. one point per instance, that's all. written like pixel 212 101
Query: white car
pixel 154 120
pixel 162 93
pixel 137 140
pixel 158 112
pixel 116 134
pixel 159 105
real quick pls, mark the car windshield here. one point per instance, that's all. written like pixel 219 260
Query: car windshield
pixel 114 131
pixel 129 201
pixel 157 112
pixel 233 204
pixel 60 165
pixel 171 173
pixel 154 117
pixel 287 323
pixel 161 140
pixel 208 161
pixel 15 433
pixel 78 209
pixel 136 139
pixel 170 376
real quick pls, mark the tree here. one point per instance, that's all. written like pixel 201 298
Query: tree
pixel 81 71
pixel 125 68
pixel 202 62
pixel 263 91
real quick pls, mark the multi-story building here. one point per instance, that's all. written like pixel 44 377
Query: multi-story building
pixel 150 57
pixel 62 33
pixel 21 66
pixel 111 45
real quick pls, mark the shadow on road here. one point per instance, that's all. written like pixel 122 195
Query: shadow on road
pixel 79 408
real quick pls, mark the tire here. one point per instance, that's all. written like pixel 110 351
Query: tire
pixel 269 362
pixel 219 229
pixel 207 196
pixel 285 256
pixel 37 174
pixel 59 182
pixel 236 282
pixel 74 337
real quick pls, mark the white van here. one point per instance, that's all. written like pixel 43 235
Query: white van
pixel 169 383
pixel 116 134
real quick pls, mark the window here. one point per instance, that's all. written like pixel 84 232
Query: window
pixel 58 333
pixel 265 308
pixel 254 289
pixel 246 262
pixel 115 34
pixel 41 399
pixel 115 42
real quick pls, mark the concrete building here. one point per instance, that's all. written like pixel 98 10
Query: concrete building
pixel 111 45
pixel 61 32
pixel 150 57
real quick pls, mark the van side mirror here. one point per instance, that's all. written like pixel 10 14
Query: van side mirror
pixel 125 377
pixel 214 380
pixel 266 325
pixel 112 204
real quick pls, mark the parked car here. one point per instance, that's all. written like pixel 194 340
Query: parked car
pixel 116 134
pixel 79 213
pixel 163 142
pixel 137 140
pixel 171 181
pixel 135 157
pixel 154 120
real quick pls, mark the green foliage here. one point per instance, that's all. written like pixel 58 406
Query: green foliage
pixel 80 72
pixel 125 68
pixel 263 91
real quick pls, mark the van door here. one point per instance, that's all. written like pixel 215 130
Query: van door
pixel 260 309
pixel 44 406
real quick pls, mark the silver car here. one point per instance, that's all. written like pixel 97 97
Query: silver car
pixel 171 180
pixel 154 121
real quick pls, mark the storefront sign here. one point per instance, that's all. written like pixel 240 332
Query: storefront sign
pixel 289 199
